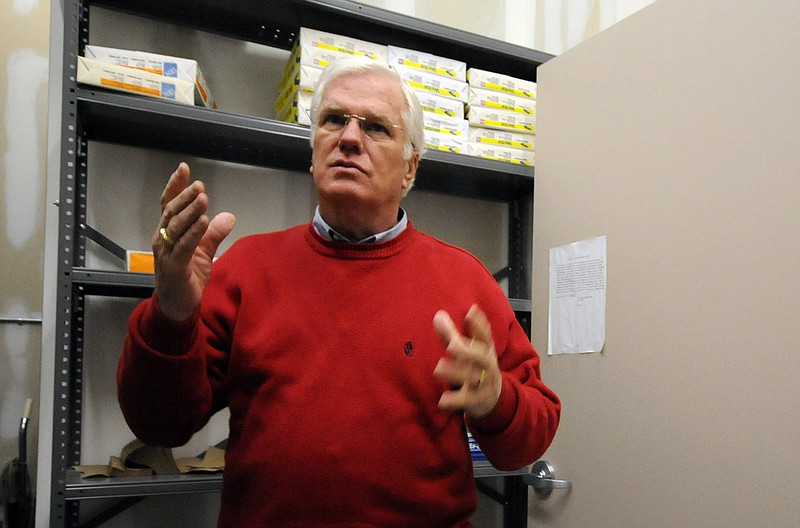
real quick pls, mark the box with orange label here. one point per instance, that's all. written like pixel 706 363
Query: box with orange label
pixel 172 67
pixel 130 80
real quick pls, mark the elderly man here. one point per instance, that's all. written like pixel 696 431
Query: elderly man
pixel 353 352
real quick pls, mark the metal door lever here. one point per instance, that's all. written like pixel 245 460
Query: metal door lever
pixel 542 479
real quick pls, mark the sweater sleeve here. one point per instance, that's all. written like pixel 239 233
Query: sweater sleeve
pixel 163 385
pixel 523 424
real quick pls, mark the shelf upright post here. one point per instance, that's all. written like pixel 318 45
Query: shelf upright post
pixel 68 375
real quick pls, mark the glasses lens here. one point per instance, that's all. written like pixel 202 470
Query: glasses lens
pixel 376 128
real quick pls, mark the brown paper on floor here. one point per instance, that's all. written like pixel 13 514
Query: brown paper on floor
pixel 137 459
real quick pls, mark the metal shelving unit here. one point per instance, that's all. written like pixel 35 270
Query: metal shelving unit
pixel 95 115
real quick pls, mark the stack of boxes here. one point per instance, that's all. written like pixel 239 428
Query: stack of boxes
pixel 441 87
pixel 466 111
pixel 171 78
pixel 312 52
pixel 502 117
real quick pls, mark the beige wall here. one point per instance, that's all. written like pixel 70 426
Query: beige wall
pixel 675 134
pixel 23 153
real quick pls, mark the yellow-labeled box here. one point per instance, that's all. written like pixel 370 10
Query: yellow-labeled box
pixel 442 143
pixel 174 67
pixel 418 60
pixel 298 108
pixel 318 48
pixel 501 101
pixel 305 80
pixel 493 152
pixel 458 129
pixel 435 84
pixel 131 80
pixel 501 83
pixel 501 119
pixel 502 138
pixel 440 106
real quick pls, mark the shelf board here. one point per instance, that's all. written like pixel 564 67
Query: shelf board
pixel 276 23
pixel 127 284
pixel 79 488
pixel 113 283
pixel 197 131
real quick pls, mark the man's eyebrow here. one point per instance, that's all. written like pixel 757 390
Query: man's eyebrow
pixel 336 108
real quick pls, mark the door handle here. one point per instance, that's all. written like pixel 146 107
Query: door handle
pixel 542 479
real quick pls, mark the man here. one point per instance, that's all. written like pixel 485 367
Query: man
pixel 334 344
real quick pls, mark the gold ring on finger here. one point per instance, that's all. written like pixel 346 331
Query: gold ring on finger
pixel 165 236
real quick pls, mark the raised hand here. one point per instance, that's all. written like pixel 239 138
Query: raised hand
pixel 470 366
pixel 184 244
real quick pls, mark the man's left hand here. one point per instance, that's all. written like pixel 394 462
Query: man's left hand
pixel 470 365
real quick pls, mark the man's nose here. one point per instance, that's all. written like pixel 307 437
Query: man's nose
pixel 351 133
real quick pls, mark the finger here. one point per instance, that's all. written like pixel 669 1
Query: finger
pixel 177 182
pixel 477 324
pixel 219 228
pixel 446 330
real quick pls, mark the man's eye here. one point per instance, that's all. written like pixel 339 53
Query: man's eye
pixel 334 119
pixel 373 127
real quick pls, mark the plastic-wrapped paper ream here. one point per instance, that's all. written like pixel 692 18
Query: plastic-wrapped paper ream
pixel 434 84
pixel 426 62
pixel 305 79
pixel 298 108
pixel 501 83
pixel 444 143
pixel 457 129
pixel 493 152
pixel 131 80
pixel 440 106
pixel 501 101
pixel 502 138
pixel 175 67
pixel 318 48
pixel 480 116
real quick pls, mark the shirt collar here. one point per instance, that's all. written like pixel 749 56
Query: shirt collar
pixel 326 231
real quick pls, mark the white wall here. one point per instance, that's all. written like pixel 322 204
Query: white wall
pixel 675 135
pixel 23 164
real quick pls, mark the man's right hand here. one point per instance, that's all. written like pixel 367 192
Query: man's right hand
pixel 184 244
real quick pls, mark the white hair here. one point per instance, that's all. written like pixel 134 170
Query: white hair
pixel 411 117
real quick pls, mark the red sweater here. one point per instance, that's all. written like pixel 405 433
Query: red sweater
pixel 324 353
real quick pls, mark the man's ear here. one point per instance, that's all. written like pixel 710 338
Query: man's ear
pixel 411 172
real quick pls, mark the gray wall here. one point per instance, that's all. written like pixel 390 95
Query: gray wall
pixel 675 133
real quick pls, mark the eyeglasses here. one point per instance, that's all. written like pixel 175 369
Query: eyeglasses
pixel 375 128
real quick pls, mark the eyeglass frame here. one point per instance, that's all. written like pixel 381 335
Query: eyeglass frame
pixel 362 122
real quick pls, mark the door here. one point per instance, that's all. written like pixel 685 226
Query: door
pixel 675 134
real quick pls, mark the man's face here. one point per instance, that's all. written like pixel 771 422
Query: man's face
pixel 350 168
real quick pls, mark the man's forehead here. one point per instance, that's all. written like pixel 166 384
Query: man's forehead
pixel 375 91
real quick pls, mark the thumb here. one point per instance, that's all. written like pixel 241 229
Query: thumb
pixel 219 228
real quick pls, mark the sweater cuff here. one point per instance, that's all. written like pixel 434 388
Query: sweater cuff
pixel 503 413
pixel 165 335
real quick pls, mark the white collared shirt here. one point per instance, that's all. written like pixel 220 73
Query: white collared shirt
pixel 328 232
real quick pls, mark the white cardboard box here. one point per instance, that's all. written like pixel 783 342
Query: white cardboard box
pixel 318 48
pixel 298 108
pixel 457 129
pixel 502 138
pixel 501 119
pixel 428 63
pixel 440 106
pixel 501 83
pixel 435 84
pixel 510 155
pixel 175 67
pixel 131 80
pixel 443 143
pixel 501 101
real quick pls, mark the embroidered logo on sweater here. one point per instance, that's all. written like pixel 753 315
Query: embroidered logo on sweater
pixel 408 349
